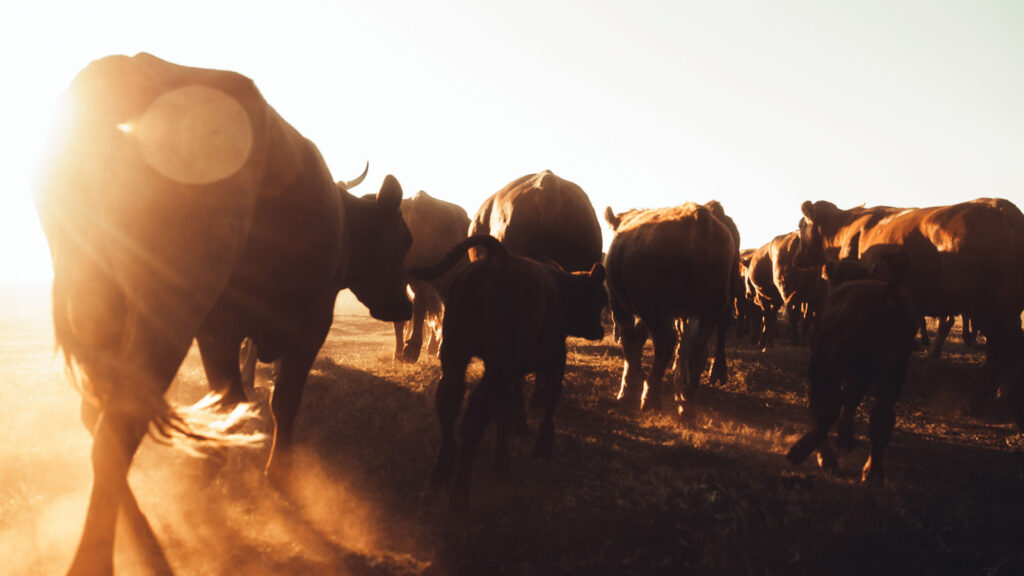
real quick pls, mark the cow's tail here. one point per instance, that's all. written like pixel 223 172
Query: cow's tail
pixel 496 252
pixel 106 383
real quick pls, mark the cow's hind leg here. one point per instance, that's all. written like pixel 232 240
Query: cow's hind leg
pixel 411 352
pixel 116 438
pixel 399 339
pixel 825 403
pixel 448 401
pixel 664 337
pixel 694 350
pixel 945 324
pixel 220 360
pixel 479 411
pixel 632 338
pixel 293 370
pixel 719 369
pixel 549 382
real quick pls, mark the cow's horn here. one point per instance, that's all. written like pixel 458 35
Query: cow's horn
pixel 353 183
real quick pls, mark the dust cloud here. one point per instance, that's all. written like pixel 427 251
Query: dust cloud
pixel 213 515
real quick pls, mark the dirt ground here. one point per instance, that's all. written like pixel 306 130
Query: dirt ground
pixel 626 493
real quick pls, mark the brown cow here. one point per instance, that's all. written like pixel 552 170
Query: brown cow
pixel 177 204
pixel 863 340
pixel 762 291
pixel 436 226
pixel 514 313
pixel 747 312
pixel 774 281
pixel 964 258
pixel 544 217
pixel 662 265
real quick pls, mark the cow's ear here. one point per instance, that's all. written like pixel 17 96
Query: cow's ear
pixel 808 209
pixel 612 219
pixel 597 272
pixel 389 199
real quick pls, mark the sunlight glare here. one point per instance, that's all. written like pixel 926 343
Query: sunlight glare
pixel 194 135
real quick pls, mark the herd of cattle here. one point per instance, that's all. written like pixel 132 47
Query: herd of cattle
pixel 179 206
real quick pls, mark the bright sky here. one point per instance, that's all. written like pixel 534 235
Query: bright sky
pixel 761 105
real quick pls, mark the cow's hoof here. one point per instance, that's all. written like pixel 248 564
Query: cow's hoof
pixel 873 475
pixel 827 462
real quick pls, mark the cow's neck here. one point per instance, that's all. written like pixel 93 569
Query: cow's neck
pixel 358 213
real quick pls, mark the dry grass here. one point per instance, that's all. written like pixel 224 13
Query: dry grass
pixel 626 493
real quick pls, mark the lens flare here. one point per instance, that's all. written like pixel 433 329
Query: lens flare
pixel 194 135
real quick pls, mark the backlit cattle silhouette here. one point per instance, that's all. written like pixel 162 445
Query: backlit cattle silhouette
pixel 748 313
pixel 862 341
pixel 547 218
pixel 774 281
pixel 514 313
pixel 436 226
pixel 178 204
pixel 544 217
pixel 665 264
pixel 964 258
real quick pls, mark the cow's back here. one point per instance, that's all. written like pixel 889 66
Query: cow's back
pixel 544 217
pixel 671 261
pixel 964 257
pixel 435 225
pixel 167 185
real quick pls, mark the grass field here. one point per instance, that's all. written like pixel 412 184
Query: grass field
pixel 626 493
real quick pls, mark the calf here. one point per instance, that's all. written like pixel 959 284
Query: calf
pixel 864 336
pixel 514 313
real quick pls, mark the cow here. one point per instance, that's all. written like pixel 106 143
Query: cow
pixel 774 281
pixel 544 217
pixel 762 291
pixel 863 341
pixel 547 218
pixel 964 258
pixel 747 312
pixel 436 226
pixel 178 204
pixel 228 394
pixel 664 264
pixel 514 313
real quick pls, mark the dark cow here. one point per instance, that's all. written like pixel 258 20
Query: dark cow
pixel 544 217
pixel 547 218
pixel 227 395
pixel 178 204
pixel 665 264
pixel 436 226
pixel 863 341
pixel 964 258
pixel 514 313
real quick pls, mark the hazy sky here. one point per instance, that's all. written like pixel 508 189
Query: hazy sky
pixel 760 105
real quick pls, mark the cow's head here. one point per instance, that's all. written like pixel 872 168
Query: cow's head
pixel 810 251
pixel 378 240
pixel 585 298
